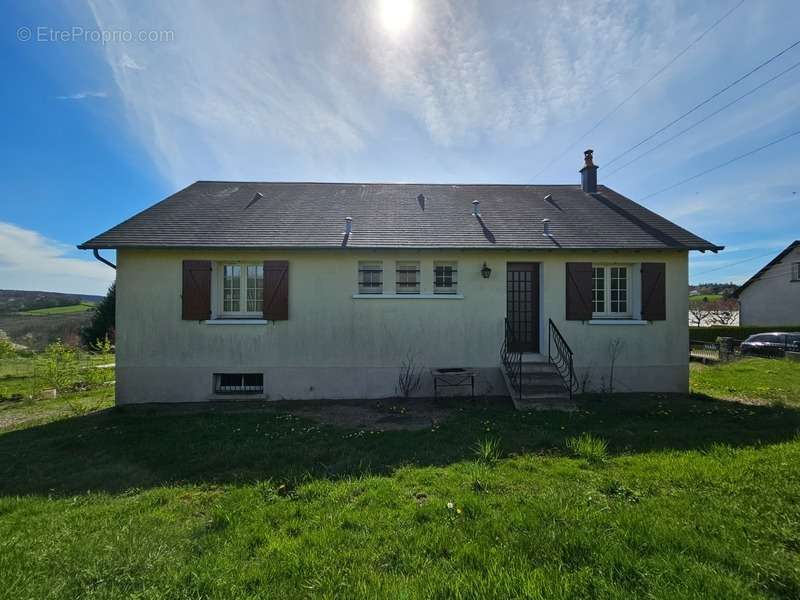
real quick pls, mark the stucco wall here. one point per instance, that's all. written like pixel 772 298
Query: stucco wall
pixel 774 299
pixel 335 346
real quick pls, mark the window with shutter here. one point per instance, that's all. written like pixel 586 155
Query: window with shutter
pixel 242 289
pixel 654 292
pixel 276 290
pixel 611 291
pixel 196 292
pixel 579 291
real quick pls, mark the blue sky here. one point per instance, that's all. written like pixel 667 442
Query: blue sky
pixel 426 90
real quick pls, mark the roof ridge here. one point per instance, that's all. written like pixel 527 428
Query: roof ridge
pixel 542 185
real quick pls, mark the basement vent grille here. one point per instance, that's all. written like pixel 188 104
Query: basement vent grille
pixel 238 383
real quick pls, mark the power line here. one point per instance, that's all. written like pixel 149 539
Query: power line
pixel 639 89
pixel 703 103
pixel 733 264
pixel 725 164
pixel 704 119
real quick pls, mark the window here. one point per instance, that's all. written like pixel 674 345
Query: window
pixel 242 289
pixel 796 271
pixel 238 383
pixel 610 287
pixel 407 278
pixel 370 278
pixel 598 290
pixel 445 278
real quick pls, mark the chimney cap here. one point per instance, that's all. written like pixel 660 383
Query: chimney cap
pixel 587 158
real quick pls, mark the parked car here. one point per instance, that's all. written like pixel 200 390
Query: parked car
pixel 771 344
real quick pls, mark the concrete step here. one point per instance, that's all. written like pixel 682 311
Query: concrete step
pixel 542 389
pixel 544 377
pixel 544 403
pixel 538 367
pixel 554 388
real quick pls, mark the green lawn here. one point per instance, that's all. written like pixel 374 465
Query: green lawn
pixel 60 310
pixel 705 298
pixel 698 497
pixel 752 379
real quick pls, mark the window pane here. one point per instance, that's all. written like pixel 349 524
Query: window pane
pixel 408 278
pixel 231 288
pixel 255 288
pixel 619 289
pixel 598 290
pixel 370 278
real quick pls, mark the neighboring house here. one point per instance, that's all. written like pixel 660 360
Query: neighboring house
pixel 772 296
pixel 323 290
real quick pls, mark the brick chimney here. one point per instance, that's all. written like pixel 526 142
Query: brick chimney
pixel 589 173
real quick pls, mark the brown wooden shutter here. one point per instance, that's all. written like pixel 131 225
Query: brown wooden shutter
pixel 579 291
pixel 654 292
pixel 196 296
pixel 276 290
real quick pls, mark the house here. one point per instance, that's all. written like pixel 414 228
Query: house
pixel 772 296
pixel 326 290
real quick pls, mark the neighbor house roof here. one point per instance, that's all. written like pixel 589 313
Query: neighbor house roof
pixel 766 267
pixel 217 214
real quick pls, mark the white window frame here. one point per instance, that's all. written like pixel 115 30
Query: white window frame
pixel 446 290
pixel 242 313
pixel 796 271
pixel 374 266
pixel 407 266
pixel 606 313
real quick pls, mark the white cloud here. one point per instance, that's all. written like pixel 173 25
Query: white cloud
pixel 322 85
pixel 29 261
pixel 126 62
pixel 83 96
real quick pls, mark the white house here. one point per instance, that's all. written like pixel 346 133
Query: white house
pixel 329 290
pixel 772 296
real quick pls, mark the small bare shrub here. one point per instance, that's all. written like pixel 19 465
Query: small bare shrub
pixel 615 348
pixel 409 378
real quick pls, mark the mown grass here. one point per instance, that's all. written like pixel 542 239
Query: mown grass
pixel 21 404
pixel 774 381
pixel 705 298
pixel 690 497
pixel 60 310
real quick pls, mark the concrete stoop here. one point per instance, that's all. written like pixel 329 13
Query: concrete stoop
pixel 542 388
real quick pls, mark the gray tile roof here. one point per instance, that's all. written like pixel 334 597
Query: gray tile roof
pixel 763 270
pixel 215 214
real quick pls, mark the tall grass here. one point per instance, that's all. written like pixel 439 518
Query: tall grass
pixel 592 449
pixel 488 451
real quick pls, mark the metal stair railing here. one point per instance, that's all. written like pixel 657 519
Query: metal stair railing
pixel 559 354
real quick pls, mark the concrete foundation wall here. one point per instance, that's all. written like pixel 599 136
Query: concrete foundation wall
pixel 338 346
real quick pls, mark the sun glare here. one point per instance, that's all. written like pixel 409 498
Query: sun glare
pixel 396 15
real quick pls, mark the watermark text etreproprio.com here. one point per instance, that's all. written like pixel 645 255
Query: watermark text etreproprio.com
pixel 95 36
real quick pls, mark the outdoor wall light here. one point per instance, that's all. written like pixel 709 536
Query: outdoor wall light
pixel 485 271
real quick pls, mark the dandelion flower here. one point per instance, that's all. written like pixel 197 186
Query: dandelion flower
pixel 450 505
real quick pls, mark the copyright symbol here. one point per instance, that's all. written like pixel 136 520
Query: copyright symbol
pixel 24 34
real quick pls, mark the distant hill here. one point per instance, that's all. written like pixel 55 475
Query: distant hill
pixel 721 290
pixel 15 301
